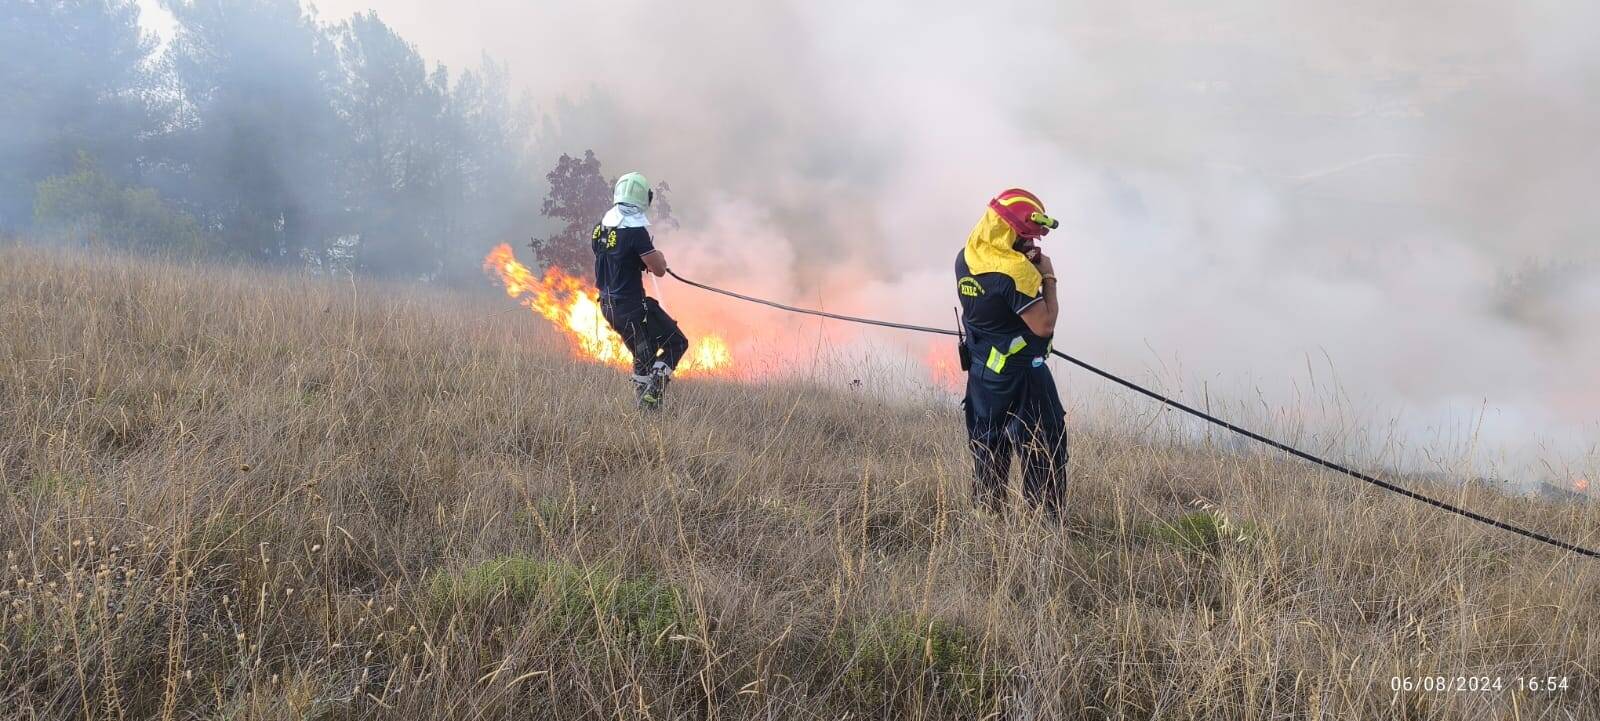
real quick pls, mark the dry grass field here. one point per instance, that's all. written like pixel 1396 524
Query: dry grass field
pixel 234 494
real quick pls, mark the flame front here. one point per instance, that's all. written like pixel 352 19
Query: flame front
pixel 942 360
pixel 572 305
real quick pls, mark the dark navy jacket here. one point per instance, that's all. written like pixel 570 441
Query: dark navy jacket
pixel 991 312
pixel 619 264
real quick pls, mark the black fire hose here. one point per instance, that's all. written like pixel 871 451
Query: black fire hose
pixel 1207 417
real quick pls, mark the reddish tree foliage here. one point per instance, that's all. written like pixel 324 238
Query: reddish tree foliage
pixel 579 196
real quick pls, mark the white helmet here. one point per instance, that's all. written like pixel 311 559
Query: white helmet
pixel 634 190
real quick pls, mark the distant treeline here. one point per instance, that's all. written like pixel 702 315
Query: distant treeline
pixel 257 132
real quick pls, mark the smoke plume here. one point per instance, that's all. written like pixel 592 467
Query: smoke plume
pixel 1393 200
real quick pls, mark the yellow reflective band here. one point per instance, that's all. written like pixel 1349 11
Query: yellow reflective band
pixel 997 360
pixel 1013 200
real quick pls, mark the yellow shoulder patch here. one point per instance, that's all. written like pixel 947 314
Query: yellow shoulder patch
pixel 970 287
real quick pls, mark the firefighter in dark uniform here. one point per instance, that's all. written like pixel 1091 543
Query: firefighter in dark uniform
pixel 622 254
pixel 1007 289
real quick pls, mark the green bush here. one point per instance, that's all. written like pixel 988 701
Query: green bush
pixel 1202 532
pixel 891 657
pixel 516 578
pixel 87 203
pixel 595 604
pixel 53 482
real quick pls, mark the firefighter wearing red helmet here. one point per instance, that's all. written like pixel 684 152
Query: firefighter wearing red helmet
pixel 1007 289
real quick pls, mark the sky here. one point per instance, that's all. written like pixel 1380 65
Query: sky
pixel 1372 214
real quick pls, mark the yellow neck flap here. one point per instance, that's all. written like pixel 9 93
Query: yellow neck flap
pixel 989 251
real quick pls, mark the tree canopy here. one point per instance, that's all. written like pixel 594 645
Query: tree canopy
pixel 263 133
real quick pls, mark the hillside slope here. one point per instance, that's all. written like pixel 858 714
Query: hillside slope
pixel 236 494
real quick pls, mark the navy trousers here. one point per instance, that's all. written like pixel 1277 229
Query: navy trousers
pixel 1017 411
pixel 650 333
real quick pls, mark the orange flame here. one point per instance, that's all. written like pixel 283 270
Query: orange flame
pixel 1581 485
pixel 944 365
pixel 572 305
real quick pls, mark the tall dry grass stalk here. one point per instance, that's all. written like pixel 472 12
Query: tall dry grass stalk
pixel 245 495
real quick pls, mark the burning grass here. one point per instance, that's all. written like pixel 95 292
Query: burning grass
pixel 572 306
pixel 257 496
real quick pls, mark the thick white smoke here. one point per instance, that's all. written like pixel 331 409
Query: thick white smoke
pixel 1403 192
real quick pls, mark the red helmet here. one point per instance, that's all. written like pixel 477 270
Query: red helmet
pixel 1024 212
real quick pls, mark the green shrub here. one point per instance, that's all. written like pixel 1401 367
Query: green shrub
pixel 50 483
pixel 89 203
pixel 1202 532
pixel 889 658
pixel 594 604
pixel 516 578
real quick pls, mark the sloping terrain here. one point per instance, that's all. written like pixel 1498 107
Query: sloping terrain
pixel 227 493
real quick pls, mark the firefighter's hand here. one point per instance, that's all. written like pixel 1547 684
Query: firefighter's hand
pixel 1044 265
